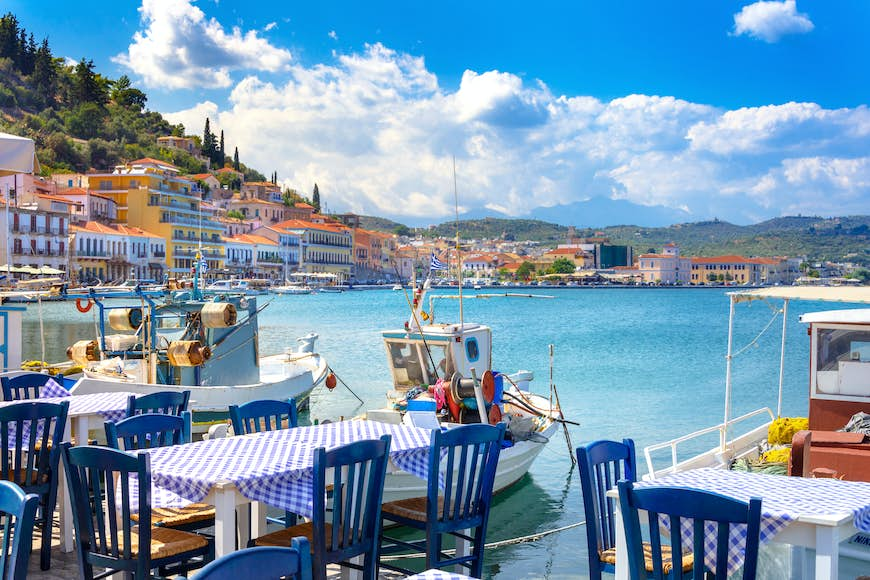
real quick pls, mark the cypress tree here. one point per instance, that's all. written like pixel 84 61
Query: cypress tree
pixel 236 160
pixel 208 145
pixel 315 199
pixel 222 151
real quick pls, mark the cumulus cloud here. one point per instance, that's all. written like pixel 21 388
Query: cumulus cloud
pixel 180 48
pixel 770 20
pixel 377 132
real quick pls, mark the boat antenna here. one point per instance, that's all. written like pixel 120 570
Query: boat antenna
pixel 458 253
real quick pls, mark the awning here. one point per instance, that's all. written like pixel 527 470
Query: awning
pixel 10 269
pixel 49 270
pixel 17 155
pixel 854 294
pixel 156 265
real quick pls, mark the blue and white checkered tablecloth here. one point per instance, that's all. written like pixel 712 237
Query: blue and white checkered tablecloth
pixel 275 467
pixel 438 575
pixel 110 406
pixel 783 500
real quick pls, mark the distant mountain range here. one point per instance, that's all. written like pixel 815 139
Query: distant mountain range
pixel 601 211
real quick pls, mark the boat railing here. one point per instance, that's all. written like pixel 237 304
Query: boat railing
pixel 719 455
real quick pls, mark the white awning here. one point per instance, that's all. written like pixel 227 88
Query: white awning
pixel 853 294
pixel 17 155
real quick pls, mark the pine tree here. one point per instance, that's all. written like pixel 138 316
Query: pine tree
pixel 44 75
pixel 9 36
pixel 236 160
pixel 315 199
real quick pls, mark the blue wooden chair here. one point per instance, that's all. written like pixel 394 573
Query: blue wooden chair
pixel 99 483
pixel 30 436
pixel 697 505
pixel 464 459
pixel 270 563
pixel 148 430
pixel 17 516
pixel 352 528
pixel 156 430
pixel 602 464
pixel 266 415
pixel 166 402
pixel 26 385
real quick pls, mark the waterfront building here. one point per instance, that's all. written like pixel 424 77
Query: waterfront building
pixel 35 236
pixel 665 268
pixel 740 270
pixel 581 259
pixel 151 195
pixel 253 256
pixel 326 246
pixel 373 254
pixel 115 252
pixel 289 246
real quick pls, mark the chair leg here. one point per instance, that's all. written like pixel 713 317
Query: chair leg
pixel 433 549
pixel 477 553
pixel 45 542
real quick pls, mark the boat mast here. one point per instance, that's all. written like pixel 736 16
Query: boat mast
pixel 782 359
pixel 458 253
pixel 723 439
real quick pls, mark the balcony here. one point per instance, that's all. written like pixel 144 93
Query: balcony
pixel 160 254
pixel 204 223
pixel 90 254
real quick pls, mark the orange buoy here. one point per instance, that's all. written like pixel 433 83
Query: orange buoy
pixel 331 381
pixel 84 307
pixel 494 415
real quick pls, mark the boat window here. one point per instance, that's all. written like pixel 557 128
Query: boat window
pixel 843 362
pixel 407 371
pixel 472 350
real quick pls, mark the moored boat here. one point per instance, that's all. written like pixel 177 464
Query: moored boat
pixel 186 342
pixel 455 359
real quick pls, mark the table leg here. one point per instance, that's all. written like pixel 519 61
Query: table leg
pixel 77 428
pixel 224 520
pixel 827 552
pixel 258 519
pixel 799 558
pixel 243 521
pixel 621 571
pixel 463 548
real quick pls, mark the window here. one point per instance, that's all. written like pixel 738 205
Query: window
pixel 472 349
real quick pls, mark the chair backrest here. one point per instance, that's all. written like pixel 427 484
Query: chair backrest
pixel 601 464
pixel 706 509
pixel 148 430
pixel 270 563
pixel 264 415
pixel 166 402
pixel 26 385
pixel 357 480
pixel 30 436
pixel 17 516
pixel 463 460
pixel 99 484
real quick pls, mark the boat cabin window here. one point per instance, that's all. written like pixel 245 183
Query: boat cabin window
pixel 843 361
pixel 412 366
pixel 472 349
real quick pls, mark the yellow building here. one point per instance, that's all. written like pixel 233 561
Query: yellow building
pixel 150 194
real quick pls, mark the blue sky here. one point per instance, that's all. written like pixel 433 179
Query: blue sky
pixel 732 109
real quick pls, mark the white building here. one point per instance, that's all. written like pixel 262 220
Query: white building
pixel 116 253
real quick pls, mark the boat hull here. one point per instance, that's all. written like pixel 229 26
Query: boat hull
pixel 282 377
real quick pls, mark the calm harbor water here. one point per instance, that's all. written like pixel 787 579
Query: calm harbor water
pixel 642 363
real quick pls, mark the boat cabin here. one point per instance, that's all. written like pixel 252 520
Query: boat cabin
pixel 437 351
pixel 839 366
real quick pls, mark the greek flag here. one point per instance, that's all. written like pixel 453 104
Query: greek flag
pixel 203 266
pixel 436 264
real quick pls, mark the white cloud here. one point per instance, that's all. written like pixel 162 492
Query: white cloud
pixel 377 133
pixel 181 49
pixel 270 26
pixel 770 20
pixel 333 35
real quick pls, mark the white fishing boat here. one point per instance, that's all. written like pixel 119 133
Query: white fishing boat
pixel 456 359
pixel 839 386
pixel 234 286
pixel 292 288
pixel 184 342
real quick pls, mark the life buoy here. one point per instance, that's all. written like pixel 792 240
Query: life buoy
pixel 87 305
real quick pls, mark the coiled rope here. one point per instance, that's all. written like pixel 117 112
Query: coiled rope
pixel 492 545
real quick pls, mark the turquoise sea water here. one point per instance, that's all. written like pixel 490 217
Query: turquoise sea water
pixel 642 363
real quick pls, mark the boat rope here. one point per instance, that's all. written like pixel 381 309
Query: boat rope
pixel 492 545
pixel 764 330
pixel 330 369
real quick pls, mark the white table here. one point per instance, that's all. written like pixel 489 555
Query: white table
pixel 86 412
pixel 274 468
pixel 811 513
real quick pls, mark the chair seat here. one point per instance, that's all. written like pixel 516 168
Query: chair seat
pixel 281 538
pixel 173 517
pixel 166 542
pixel 411 509
pixel 21 477
pixel 609 557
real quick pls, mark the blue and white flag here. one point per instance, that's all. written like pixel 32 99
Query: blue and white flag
pixel 436 264
pixel 203 266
